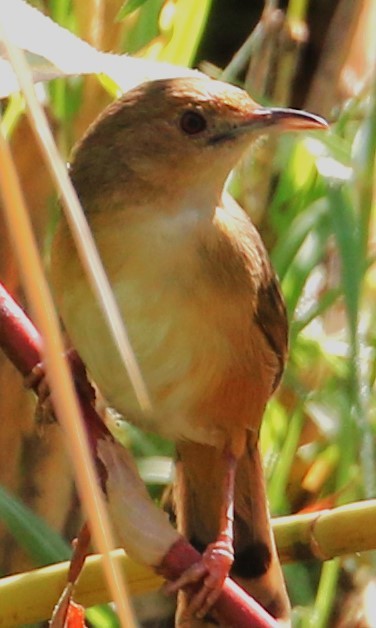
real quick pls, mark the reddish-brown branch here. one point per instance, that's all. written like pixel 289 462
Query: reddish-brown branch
pixel 18 337
pixel 80 551
pixel 68 614
pixel 234 605
pixel 23 345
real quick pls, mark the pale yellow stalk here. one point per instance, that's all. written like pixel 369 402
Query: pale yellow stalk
pixel 30 597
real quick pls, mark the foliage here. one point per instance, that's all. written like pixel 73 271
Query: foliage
pixel 318 432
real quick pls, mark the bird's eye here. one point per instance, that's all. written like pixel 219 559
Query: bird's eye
pixel 192 122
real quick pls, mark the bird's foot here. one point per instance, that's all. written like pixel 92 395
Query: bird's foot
pixel 212 569
pixel 37 380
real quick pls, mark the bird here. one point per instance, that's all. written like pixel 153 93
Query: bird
pixel 202 306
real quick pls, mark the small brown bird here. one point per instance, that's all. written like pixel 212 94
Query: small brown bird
pixel 201 303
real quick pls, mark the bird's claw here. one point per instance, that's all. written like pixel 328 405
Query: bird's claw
pixel 37 381
pixel 213 569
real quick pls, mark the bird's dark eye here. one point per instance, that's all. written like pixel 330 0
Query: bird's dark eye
pixel 192 122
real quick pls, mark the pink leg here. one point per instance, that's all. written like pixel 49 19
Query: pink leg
pixel 218 557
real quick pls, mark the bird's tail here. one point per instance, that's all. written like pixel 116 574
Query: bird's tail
pixel 198 500
pixel 256 567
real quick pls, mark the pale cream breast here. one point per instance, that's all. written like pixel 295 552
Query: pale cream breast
pixel 190 324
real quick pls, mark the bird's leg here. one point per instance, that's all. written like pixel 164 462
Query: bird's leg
pixel 218 557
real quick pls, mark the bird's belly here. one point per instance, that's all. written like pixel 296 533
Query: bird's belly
pixel 185 351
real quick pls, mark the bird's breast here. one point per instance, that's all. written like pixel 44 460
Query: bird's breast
pixel 186 292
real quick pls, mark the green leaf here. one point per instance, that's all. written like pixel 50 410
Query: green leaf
pixel 102 616
pixel 189 23
pixel 277 484
pixel 44 545
pixel 128 7
pixel 146 27
pixel 346 232
pixel 300 227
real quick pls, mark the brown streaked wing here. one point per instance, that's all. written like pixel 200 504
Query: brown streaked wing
pixel 271 317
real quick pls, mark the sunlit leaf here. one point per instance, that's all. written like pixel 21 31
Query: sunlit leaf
pixel 128 7
pixel 188 24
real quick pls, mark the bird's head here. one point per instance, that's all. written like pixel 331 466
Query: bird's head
pixel 170 140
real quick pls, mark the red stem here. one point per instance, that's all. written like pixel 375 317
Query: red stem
pixel 23 345
pixel 19 339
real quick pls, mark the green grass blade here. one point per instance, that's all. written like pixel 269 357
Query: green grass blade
pixel 44 545
pixel 346 231
pixel 146 27
pixel 279 480
pixel 189 23
pixel 128 7
pixel 325 598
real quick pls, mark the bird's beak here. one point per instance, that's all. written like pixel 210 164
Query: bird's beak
pixel 266 119
pixel 284 120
